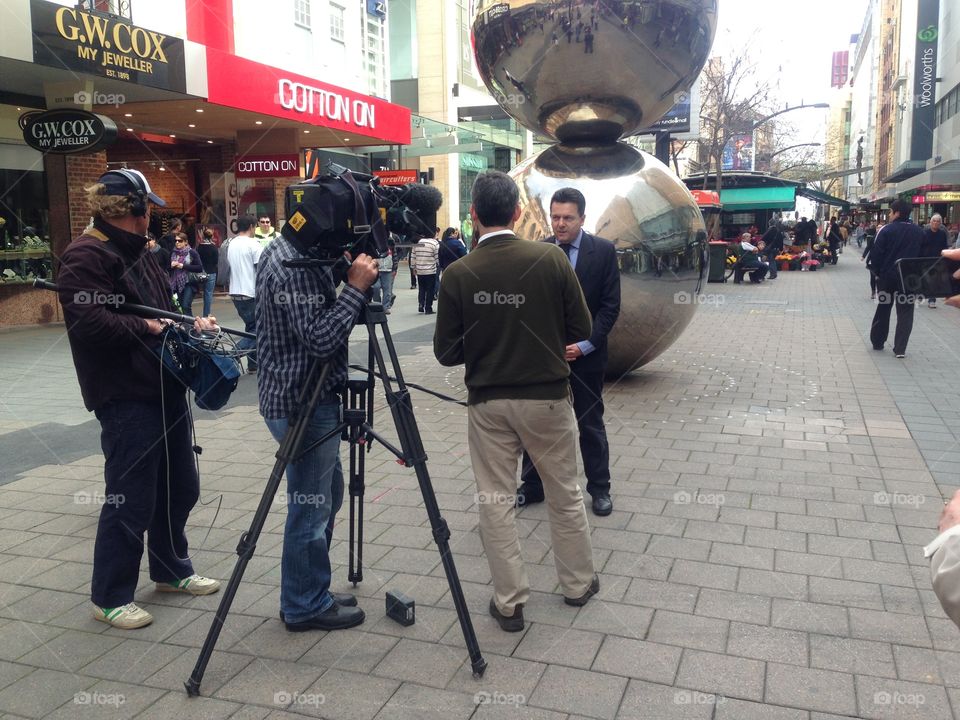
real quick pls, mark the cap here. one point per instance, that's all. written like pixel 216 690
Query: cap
pixel 125 182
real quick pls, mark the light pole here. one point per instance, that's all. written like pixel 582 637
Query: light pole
pixel 768 158
pixel 761 121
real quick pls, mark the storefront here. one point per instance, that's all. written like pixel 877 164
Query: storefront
pixel 216 135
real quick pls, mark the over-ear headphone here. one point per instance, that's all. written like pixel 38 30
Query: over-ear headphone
pixel 137 198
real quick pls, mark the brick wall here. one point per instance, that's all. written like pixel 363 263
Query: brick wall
pixel 82 171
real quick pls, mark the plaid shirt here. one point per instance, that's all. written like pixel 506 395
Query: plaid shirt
pixel 299 317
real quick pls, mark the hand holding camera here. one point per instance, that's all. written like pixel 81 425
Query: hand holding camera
pixel 363 272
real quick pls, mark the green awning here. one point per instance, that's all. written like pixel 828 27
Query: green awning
pixel 821 197
pixel 761 198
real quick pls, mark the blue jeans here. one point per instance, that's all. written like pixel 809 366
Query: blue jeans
pixel 186 298
pixel 247 310
pixel 208 293
pixel 314 495
pixel 383 289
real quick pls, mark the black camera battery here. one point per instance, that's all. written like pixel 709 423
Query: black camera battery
pixel 401 608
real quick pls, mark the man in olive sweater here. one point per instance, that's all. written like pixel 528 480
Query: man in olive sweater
pixel 507 311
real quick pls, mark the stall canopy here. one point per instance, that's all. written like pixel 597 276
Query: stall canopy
pixel 758 198
pixel 821 197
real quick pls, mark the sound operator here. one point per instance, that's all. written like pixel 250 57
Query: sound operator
pixel 150 469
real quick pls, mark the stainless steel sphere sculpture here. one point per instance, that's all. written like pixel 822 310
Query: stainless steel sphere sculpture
pixel 587 73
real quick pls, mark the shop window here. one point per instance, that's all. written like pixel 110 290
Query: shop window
pixel 301 13
pixel 24 227
pixel 336 23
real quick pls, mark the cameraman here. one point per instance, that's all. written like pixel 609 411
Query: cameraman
pixel 299 318
pixel 150 469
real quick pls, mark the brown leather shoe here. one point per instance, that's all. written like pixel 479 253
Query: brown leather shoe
pixel 591 591
pixel 508 623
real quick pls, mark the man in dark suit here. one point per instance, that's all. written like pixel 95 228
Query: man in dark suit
pixel 595 263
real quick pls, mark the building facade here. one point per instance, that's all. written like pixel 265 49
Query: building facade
pixel 217 132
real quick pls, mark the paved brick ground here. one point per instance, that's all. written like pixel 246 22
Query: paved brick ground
pixel 774 480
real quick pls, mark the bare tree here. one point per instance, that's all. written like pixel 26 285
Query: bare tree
pixel 733 99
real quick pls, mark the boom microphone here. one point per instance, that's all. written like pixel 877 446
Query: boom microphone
pixel 416 212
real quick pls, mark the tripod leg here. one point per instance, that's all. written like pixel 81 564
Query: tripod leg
pixel 411 442
pixel 289 449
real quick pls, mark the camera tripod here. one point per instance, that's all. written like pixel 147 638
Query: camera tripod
pixel 356 427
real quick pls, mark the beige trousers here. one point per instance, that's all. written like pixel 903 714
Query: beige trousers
pixel 497 432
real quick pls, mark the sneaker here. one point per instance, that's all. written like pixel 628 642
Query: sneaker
pixel 900 355
pixel 932 304
pixel 125 617
pixel 195 585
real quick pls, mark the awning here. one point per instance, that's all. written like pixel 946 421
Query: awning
pixel 821 197
pixel 947 173
pixel 763 198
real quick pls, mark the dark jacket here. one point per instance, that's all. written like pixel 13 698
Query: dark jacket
pixel 507 311
pixel 112 351
pixel 773 240
pixel 451 250
pixel 209 257
pixel 898 239
pixel 933 242
pixel 599 278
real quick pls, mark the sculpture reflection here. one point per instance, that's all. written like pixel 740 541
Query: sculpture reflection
pixel 587 74
pixel 591 71
pixel 634 201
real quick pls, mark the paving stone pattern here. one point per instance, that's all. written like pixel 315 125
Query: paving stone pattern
pixel 774 481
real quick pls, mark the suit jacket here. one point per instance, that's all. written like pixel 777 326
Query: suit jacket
pixel 599 278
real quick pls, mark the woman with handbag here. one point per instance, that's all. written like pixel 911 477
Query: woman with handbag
pixel 210 259
pixel 186 271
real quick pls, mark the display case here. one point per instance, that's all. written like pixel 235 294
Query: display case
pixel 25 252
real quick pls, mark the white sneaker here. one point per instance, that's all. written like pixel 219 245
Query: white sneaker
pixel 195 585
pixel 125 617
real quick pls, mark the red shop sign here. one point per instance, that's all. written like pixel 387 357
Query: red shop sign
pixel 261 166
pixel 919 200
pixel 247 85
pixel 397 177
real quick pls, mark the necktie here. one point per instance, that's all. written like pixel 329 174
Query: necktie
pixel 566 247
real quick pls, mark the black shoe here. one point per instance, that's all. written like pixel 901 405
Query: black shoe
pixel 591 591
pixel 878 347
pixel 336 617
pixel 508 624
pixel 528 495
pixel 602 504
pixel 428 312
pixel 900 355
pixel 344 599
pixel 419 309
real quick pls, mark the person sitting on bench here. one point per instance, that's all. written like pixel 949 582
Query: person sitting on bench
pixel 750 260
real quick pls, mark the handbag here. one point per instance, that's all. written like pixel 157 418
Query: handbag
pixel 196 278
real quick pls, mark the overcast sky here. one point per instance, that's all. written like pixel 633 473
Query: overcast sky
pixel 798 38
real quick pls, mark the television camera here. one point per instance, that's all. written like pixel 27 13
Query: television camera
pixel 343 211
